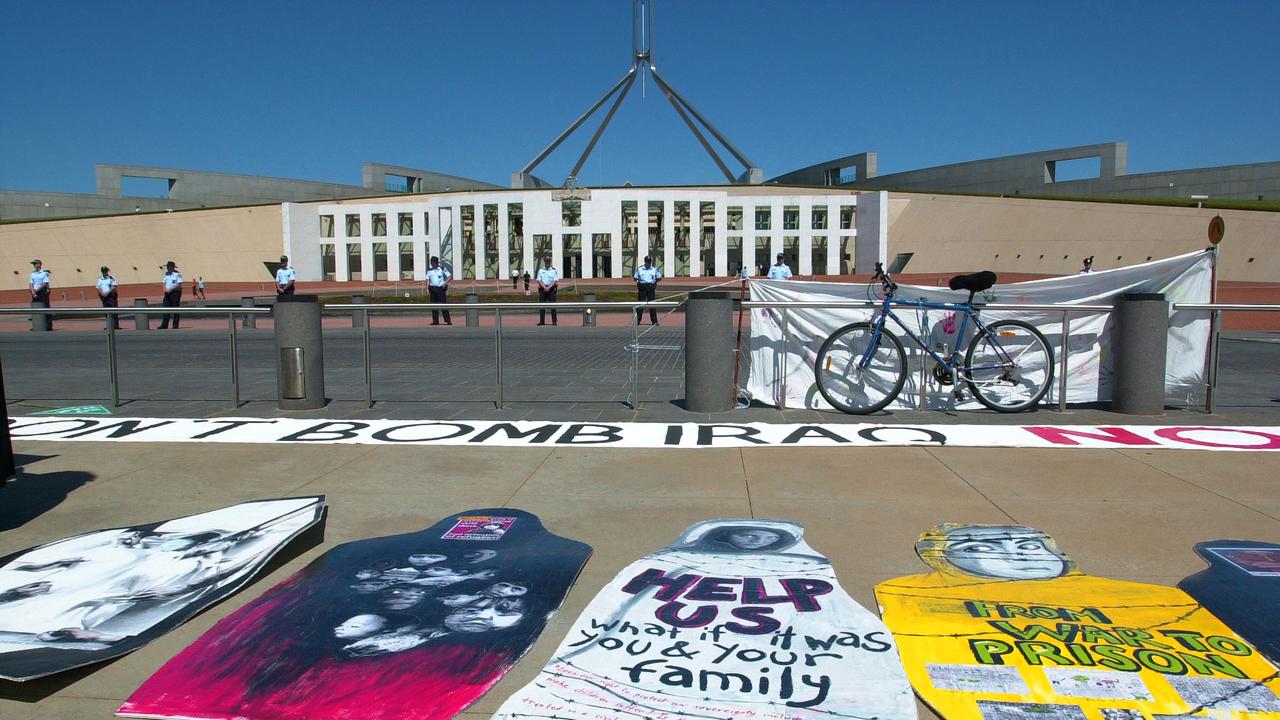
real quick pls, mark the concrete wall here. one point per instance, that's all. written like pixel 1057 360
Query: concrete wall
pixel 227 244
pixel 964 234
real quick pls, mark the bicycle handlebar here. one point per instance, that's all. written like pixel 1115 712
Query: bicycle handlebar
pixel 889 285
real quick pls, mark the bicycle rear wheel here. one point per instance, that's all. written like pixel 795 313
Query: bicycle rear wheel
pixel 1009 368
pixel 860 390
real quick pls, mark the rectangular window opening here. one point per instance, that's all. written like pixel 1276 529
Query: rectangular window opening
pixel 147 187
pixel 1089 168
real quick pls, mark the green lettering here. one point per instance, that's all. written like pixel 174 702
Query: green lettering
pixel 1036 652
pixel 1160 661
pixel 1230 646
pixel 1209 664
pixel 1189 639
pixel 1139 638
pixel 1114 658
pixel 989 652
pixel 1094 635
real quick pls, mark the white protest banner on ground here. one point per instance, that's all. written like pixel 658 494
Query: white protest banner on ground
pixel 527 433
pixel 1182 279
pixel 736 619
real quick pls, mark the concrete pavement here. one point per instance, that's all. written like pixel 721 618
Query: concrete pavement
pixel 1127 514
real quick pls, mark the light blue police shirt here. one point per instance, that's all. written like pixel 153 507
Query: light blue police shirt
pixel 39 279
pixel 779 272
pixel 106 285
pixel 648 275
pixel 438 276
pixel 548 276
pixel 172 281
pixel 284 275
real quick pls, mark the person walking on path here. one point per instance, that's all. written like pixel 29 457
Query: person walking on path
pixel 108 294
pixel 647 277
pixel 515 278
pixel 172 294
pixel 200 288
pixel 526 282
pixel 780 270
pixel 438 286
pixel 38 284
pixel 548 283
pixel 285 277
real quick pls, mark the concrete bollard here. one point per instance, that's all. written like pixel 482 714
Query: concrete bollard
pixel 1138 347
pixel 473 314
pixel 141 321
pixel 299 353
pixel 708 343
pixel 358 317
pixel 39 320
pixel 588 314
pixel 248 321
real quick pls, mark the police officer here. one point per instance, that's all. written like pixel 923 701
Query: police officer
pixel 647 277
pixel 284 277
pixel 548 283
pixel 38 284
pixel 1087 267
pixel 780 270
pixel 108 295
pixel 172 294
pixel 438 286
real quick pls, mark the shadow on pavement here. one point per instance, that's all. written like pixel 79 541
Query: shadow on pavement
pixel 31 494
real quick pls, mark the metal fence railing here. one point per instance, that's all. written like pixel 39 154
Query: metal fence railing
pixel 1214 310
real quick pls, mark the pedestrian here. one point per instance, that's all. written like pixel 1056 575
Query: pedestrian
pixel 526 282
pixel 515 278
pixel 647 277
pixel 548 283
pixel 109 296
pixel 38 284
pixel 780 270
pixel 284 277
pixel 438 287
pixel 200 288
pixel 1088 266
pixel 172 294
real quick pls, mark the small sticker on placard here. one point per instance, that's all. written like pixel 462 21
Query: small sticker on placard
pixel 1028 711
pixel 474 527
pixel 977 678
pixel 1075 682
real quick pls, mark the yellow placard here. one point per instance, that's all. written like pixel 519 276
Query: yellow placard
pixel 1007 628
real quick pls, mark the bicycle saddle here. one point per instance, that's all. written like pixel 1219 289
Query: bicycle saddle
pixel 973 282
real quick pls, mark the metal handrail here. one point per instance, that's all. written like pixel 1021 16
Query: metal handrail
pixel 391 307
pixel 1215 311
pixel 113 376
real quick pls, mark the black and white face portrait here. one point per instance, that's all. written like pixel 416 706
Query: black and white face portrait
pixel 424 559
pixel 506 589
pixel 744 538
pixel 1003 552
pixel 474 619
pixel 359 626
pixel 402 597
pixel 753 538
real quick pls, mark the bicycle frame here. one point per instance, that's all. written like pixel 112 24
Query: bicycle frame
pixel 968 310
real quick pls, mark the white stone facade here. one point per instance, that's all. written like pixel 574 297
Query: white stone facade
pixel 691 232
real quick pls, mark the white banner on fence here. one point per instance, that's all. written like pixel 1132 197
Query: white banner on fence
pixel 527 433
pixel 1182 279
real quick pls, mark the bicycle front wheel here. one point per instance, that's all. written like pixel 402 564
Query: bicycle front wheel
pixel 854 386
pixel 1009 367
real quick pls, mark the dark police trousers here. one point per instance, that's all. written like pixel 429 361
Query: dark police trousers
pixel 172 298
pixel 112 300
pixel 646 292
pixel 438 296
pixel 42 298
pixel 546 296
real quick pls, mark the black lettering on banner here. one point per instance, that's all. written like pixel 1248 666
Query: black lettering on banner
pixel 804 431
pixel 674 433
pixel 81 424
pixel 540 434
pixel 931 435
pixel 124 428
pixel 332 428
pixel 229 425
pixel 707 434
pixel 605 434
pixel 459 429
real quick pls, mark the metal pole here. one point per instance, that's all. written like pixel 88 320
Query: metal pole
pixel 235 361
pixel 786 335
pixel 1210 395
pixel 635 362
pixel 112 367
pixel 497 352
pixel 368 369
pixel 1062 362
pixel 924 375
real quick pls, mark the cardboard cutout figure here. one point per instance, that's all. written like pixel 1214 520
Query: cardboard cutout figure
pixel 736 619
pixel 1242 587
pixel 1007 628
pixel 408 626
pixel 106 593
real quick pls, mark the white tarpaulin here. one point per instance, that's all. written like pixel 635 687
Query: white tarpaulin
pixel 1182 279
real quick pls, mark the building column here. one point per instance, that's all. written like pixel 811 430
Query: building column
pixel 642 229
pixel 722 234
pixel 804 264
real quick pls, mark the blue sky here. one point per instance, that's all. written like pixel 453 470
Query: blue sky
pixel 311 90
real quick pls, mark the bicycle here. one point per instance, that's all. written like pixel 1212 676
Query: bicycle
pixel 1008 367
